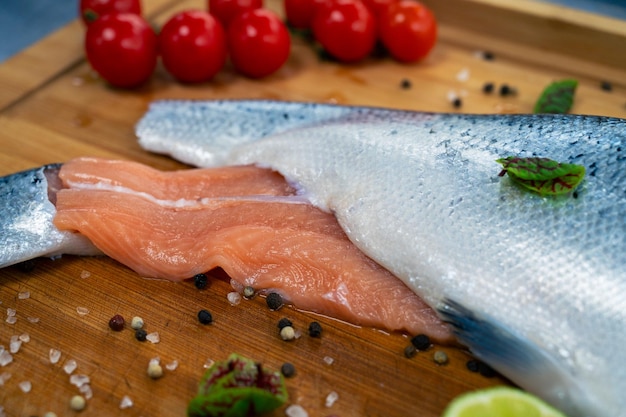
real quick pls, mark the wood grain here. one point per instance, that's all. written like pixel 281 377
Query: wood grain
pixel 52 108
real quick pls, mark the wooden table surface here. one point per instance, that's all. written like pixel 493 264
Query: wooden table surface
pixel 53 108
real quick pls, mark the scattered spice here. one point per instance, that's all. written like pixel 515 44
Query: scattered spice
pixel 54 355
pixel 153 337
pixel 421 342
pixel 331 399
pixel 78 403
pixel 234 298
pixel 296 410
pixel 141 335
pixel 23 295
pixel 80 380
pixel 155 370
pixel 85 274
pixel 126 402
pixel 440 357
pixel 200 281
pixel 288 370
pixel 457 102
pixel 5 358
pixel 328 360
pixel 284 322
pixel 315 329
pixel 116 323
pixel 405 84
pixel 172 365
pixel 606 85
pixel 25 386
pixel 136 323
pixel 70 366
pixel 463 75
pixel 488 87
pixel 506 90
pixel 82 311
pixel 287 333
pixel 50 414
pixel 248 292
pixel 274 301
pixel 410 351
pixel 205 317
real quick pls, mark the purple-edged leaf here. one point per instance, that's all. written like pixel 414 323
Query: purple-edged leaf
pixel 557 98
pixel 543 175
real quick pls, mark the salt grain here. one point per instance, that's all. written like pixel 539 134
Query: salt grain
pixel 70 366
pixel 86 391
pixel 328 360
pixel 55 355
pixel 25 337
pixel 296 410
pixel 331 398
pixel 126 402
pixel 11 319
pixel 463 75
pixel 5 358
pixel 33 319
pixel 153 337
pixel 15 344
pixel 25 386
pixel 11 312
pixel 209 363
pixel 79 380
pixel 82 311
pixel 4 377
pixel 23 295
pixel 172 365
pixel 85 274
pixel 234 298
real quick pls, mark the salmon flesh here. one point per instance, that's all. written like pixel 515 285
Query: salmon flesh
pixel 533 285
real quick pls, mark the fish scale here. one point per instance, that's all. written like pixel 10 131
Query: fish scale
pixel 534 285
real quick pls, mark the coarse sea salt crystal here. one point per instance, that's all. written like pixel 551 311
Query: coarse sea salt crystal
pixel 153 337
pixel 70 366
pixel 25 386
pixel 328 360
pixel 5 358
pixel 126 402
pixel 24 337
pixel 234 298
pixel 4 377
pixel 85 274
pixel 85 389
pixel 23 295
pixel 15 344
pixel 208 363
pixel 463 75
pixel 33 319
pixel 11 319
pixel 331 398
pixel 11 312
pixel 172 365
pixel 79 380
pixel 54 355
pixel 82 311
pixel 296 410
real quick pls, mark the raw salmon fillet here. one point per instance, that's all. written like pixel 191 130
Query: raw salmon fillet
pixel 246 220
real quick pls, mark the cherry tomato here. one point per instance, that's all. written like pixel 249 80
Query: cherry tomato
pixel 408 30
pixel 300 13
pixel 258 42
pixel 90 10
pixel 226 10
pixel 122 48
pixel 193 46
pixel 346 29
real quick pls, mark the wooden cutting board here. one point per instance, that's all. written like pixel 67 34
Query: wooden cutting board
pixel 53 108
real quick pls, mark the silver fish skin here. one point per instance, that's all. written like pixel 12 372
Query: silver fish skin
pixel 26 227
pixel 535 286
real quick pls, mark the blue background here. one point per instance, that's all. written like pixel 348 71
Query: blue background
pixel 23 22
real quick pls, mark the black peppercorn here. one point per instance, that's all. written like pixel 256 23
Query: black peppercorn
pixel 274 301
pixel 315 329
pixel 421 342
pixel 288 370
pixel 205 317
pixel 200 281
pixel 284 322
pixel 140 334
pixel 488 88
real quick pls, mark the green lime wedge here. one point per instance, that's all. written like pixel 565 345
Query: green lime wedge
pixel 499 402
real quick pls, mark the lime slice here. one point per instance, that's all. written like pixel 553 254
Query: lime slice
pixel 499 402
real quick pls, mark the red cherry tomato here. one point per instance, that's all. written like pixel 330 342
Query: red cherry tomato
pixel 299 13
pixel 122 48
pixel 346 29
pixel 90 10
pixel 408 30
pixel 193 46
pixel 226 10
pixel 258 42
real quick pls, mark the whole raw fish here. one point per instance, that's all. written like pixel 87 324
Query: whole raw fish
pixel 534 285
pixel 26 229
